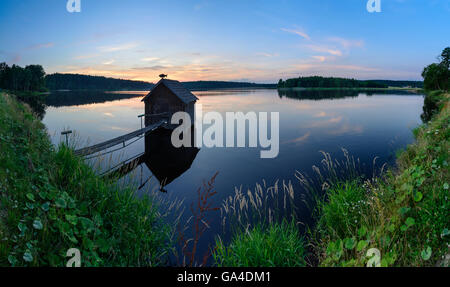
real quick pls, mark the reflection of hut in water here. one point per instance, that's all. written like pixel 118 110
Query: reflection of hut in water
pixel 165 161
pixel 166 98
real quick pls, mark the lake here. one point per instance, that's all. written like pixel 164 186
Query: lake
pixel 367 124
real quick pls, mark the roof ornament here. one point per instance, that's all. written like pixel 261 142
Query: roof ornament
pixel 162 76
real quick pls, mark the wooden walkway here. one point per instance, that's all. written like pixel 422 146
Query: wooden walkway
pixel 115 141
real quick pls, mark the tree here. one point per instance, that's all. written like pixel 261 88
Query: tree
pixel 445 57
pixel 437 75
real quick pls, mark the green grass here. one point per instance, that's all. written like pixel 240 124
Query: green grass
pixel 404 214
pixel 277 245
pixel 52 201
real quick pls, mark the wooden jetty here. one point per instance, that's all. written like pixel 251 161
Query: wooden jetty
pixel 115 141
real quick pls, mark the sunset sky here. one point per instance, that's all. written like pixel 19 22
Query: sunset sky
pixel 259 41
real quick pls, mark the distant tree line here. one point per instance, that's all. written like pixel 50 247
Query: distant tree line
pixel 399 84
pixel 28 79
pixel 437 75
pixel 322 82
pixel 85 82
pixel 204 85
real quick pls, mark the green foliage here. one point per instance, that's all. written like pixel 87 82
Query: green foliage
pixel 404 216
pixel 277 245
pixel 341 211
pixel 437 75
pixel 52 201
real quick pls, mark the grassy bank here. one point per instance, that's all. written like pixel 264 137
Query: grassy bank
pixel 52 201
pixel 400 219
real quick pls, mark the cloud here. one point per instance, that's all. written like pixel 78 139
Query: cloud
pixel 319 58
pixel 89 56
pixel 323 49
pixel 347 44
pixel 299 139
pixel 151 68
pixel 347 129
pixel 41 46
pixel 122 47
pixel 110 62
pixel 320 115
pixel 268 55
pixel 298 32
pixel 150 59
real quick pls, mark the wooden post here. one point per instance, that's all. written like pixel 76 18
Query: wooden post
pixel 66 133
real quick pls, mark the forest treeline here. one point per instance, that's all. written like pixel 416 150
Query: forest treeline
pixel 85 82
pixel 16 78
pixel 331 82
pixel 205 85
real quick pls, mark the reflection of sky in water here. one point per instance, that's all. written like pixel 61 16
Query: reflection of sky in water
pixel 367 126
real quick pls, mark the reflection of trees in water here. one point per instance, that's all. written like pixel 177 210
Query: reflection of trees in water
pixel 335 94
pixel 36 102
pixel 77 98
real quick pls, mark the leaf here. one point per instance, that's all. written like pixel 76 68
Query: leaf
pixel 362 231
pixel 361 245
pixel 391 227
pixel 27 256
pixel 37 224
pixel 46 206
pixel 418 196
pixel 349 243
pixel 403 227
pixel 12 260
pixel 22 227
pixel 445 232
pixel 72 219
pixel 410 221
pixel 43 194
pixel 404 210
pixel 426 253
pixel 446 185
pixel 61 203
pixel 30 196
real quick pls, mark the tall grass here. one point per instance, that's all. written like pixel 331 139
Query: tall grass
pixel 265 205
pixel 278 245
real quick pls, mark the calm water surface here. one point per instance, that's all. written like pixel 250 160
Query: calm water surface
pixel 368 126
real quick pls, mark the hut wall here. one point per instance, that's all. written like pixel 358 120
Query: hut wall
pixel 162 100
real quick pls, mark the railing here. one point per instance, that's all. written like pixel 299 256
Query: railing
pixel 150 115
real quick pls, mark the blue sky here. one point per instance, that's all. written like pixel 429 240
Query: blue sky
pixel 258 41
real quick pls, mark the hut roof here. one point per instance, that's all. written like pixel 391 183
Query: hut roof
pixel 177 88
